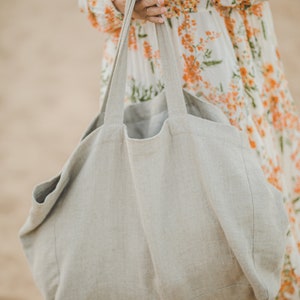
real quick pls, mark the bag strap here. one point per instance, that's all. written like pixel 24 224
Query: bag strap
pixel 113 102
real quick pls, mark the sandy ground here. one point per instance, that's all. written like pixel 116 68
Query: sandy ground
pixel 50 76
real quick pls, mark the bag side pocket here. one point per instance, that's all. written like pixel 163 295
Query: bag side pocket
pixel 44 197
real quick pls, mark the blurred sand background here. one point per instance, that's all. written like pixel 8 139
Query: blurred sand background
pixel 50 60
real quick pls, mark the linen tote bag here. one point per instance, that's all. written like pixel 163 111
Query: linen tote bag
pixel 160 200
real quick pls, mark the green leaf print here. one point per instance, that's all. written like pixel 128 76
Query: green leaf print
pixel 248 92
pixel 281 143
pixel 207 4
pixel 152 66
pixel 207 54
pixel 140 93
pixel 212 62
pixel 296 200
pixel 142 35
pixel 264 29
pixel 221 87
pixel 169 22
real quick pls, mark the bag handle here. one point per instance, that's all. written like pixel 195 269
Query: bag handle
pixel 113 103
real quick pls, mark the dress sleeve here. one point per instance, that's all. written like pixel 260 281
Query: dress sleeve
pixel 102 14
pixel 234 3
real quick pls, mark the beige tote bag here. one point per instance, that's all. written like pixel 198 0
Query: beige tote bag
pixel 162 200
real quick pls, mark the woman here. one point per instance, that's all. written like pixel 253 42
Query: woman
pixel 228 54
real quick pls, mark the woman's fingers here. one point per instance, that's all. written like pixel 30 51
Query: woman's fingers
pixel 141 5
pixel 151 10
pixel 155 11
pixel 155 19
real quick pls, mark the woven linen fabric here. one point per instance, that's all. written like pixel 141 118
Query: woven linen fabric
pixel 161 200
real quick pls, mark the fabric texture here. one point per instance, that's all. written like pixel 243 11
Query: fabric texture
pixel 227 54
pixel 163 199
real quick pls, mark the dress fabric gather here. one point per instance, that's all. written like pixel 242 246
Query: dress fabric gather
pixel 228 54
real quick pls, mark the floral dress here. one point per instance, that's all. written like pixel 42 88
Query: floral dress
pixel 228 55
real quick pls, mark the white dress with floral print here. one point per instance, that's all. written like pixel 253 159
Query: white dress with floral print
pixel 228 55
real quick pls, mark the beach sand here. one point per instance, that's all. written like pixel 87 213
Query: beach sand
pixel 50 77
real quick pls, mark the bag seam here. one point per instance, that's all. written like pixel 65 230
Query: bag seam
pixel 55 253
pixel 253 214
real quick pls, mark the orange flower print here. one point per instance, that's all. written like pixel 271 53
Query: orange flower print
pixel 256 9
pixel 243 71
pixel 187 42
pixel 179 7
pixel 268 69
pixel 132 40
pixel 147 50
pixel 192 71
pixel 297 185
pixel 92 18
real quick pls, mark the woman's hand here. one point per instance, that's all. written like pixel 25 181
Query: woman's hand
pixel 150 10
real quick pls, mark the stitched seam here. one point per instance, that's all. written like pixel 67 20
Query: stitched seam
pixel 253 227
pixel 55 251
pixel 187 132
